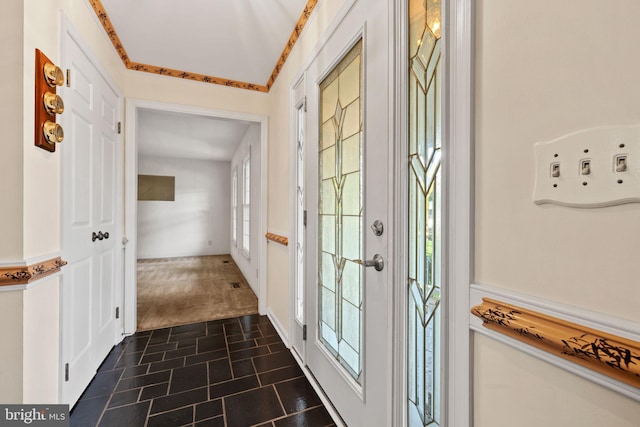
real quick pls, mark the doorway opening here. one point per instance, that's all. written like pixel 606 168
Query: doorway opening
pixel 195 182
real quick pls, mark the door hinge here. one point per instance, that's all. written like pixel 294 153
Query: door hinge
pixel 68 77
pixel 304 218
pixel 117 312
pixel 119 128
pixel 66 372
pixel 304 104
pixel 304 332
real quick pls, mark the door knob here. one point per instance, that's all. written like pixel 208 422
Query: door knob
pixel 53 103
pixel 377 262
pixel 94 236
pixel 53 75
pixel 100 235
pixel 106 235
pixel 52 132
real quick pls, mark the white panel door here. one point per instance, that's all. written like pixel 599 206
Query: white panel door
pixel 348 188
pixel 91 193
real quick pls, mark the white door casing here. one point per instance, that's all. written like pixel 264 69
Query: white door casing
pixel 91 203
pixel 131 196
pixel 363 401
pixel 298 226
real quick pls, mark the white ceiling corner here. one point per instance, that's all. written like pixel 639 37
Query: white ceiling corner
pixel 188 136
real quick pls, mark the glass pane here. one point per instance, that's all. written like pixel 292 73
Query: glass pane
pixel 424 207
pixel 299 306
pixel 340 212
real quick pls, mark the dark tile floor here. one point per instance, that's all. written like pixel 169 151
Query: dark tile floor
pixel 224 373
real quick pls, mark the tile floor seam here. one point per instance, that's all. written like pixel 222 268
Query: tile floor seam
pixel 284 411
pixel 146 421
pixel 224 411
pixel 251 328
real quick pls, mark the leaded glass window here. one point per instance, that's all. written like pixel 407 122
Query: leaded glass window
pixel 425 249
pixel 340 212
pixel 299 306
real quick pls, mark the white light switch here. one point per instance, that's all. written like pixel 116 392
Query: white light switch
pixel 592 168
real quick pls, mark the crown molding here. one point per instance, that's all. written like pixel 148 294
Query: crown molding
pixel 109 29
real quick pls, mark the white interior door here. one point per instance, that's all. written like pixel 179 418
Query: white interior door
pixel 348 188
pixel 91 191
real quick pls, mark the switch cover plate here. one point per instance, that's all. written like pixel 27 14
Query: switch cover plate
pixel 603 185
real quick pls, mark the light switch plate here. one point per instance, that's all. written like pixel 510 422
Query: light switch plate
pixel 599 148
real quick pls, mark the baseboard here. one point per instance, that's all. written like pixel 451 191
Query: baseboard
pixel 276 324
pixel 337 419
pixel 312 380
pixel 597 321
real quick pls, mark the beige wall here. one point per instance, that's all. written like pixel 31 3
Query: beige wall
pixel 11 36
pixel 280 187
pixel 43 236
pixel 545 69
pixel 11 350
pixel 153 87
pixel 41 342
pixel 30 185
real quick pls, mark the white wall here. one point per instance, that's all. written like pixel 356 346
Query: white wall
pixel 545 69
pixel 198 221
pixel 248 264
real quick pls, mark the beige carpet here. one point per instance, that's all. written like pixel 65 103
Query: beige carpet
pixel 177 291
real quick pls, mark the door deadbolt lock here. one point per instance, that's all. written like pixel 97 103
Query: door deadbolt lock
pixel 377 227
pixel 53 103
pixel 377 262
pixel 53 132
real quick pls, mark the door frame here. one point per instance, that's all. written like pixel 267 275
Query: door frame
pixel 458 130
pixel 131 196
pixel 297 100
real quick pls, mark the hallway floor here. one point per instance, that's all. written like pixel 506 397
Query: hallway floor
pixel 222 373
pixel 183 290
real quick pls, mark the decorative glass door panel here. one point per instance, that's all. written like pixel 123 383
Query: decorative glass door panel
pixel 425 248
pixel 340 213
pixel 299 306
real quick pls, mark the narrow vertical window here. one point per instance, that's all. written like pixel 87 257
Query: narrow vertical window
pixel 425 204
pixel 234 207
pixel 300 213
pixel 246 205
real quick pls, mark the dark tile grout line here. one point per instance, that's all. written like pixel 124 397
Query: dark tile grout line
pixel 247 330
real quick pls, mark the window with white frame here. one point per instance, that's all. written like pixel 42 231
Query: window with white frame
pixel 246 204
pixel 234 207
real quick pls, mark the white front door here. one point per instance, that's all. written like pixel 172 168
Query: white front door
pixel 348 188
pixel 91 194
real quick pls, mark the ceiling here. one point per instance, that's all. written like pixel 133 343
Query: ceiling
pixel 188 136
pixel 240 43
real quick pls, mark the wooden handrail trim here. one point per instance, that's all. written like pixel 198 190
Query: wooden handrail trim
pixel 608 354
pixel 21 275
pixel 272 237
